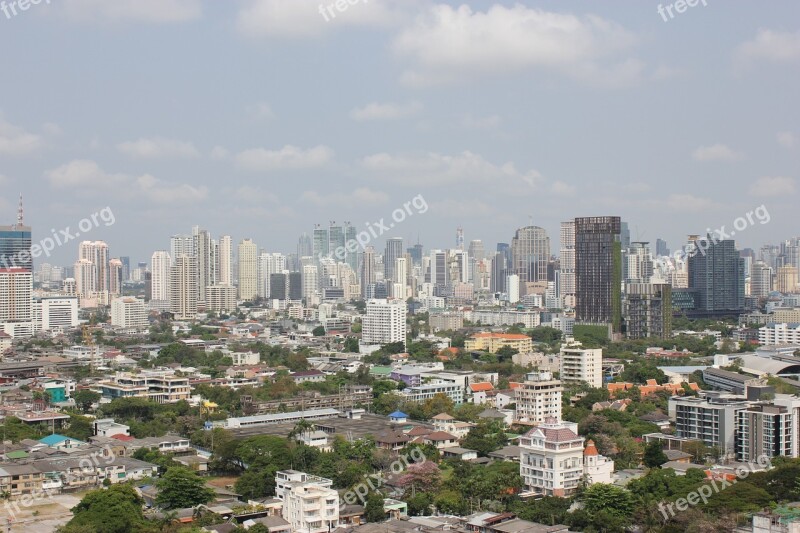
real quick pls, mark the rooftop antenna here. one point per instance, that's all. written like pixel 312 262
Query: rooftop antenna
pixel 20 213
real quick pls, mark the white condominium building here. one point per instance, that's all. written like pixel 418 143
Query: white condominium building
pixel 128 312
pixel 385 322
pixel 538 398
pixel 581 365
pixel 310 505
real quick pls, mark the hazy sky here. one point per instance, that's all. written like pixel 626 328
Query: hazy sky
pixel 259 118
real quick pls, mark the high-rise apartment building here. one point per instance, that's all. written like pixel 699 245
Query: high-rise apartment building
pixel 538 398
pixel 221 298
pixel 385 322
pixel 248 270
pixel 311 285
pixel 647 310
pixel 183 287
pixel 716 274
pixel 368 274
pixel 96 252
pixel 16 288
pixel 181 245
pixel 786 279
pixel 225 276
pixel 160 264
pixel 305 246
pixel 598 271
pixel 115 277
pixel 581 365
pixel 567 265
pixel 760 280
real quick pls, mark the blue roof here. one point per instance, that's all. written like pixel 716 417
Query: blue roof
pixel 398 414
pixel 55 439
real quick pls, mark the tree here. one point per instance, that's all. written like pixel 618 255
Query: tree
pixel 654 455
pixel 374 511
pixel 117 509
pixel 608 499
pixel 318 331
pixel 180 488
pixel 80 428
pixel 424 477
pixel 85 398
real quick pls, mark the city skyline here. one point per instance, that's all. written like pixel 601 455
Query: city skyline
pixel 545 126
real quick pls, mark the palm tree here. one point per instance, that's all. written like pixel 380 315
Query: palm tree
pixel 301 427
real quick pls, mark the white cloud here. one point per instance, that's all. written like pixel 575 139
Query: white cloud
pixel 158 147
pixel 161 192
pixel 304 18
pixel 787 139
pixel 288 157
pixel 561 188
pixel 716 152
pixel 435 169
pixel 770 46
pixel 150 11
pixel 443 45
pixel 83 176
pixel 687 202
pixel 51 128
pixel 16 141
pixel 387 111
pixel 261 111
pixel 357 198
pixel 773 186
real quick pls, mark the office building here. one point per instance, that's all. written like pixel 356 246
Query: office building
pixel 320 243
pixel 55 313
pixel 385 322
pixel 439 272
pixel 497 284
pixel 598 271
pixel 183 287
pixel 393 251
pixel 248 270
pixel 661 248
pixel 530 254
pixel 538 398
pixel 15 244
pixel 581 365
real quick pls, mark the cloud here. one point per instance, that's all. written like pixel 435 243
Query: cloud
pixel 452 208
pixel 787 139
pixel 261 111
pixel 253 195
pixel 158 147
pixel 83 176
pixel 15 141
pixel 716 152
pixel 161 192
pixel 562 189
pixel 149 11
pixel 304 18
pixel 773 186
pixel 288 157
pixel 687 202
pixel 435 169
pixel 769 46
pixel 443 47
pixel 358 198
pixel 388 111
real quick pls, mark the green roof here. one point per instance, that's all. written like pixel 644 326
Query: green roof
pixel 18 454
pixel 381 370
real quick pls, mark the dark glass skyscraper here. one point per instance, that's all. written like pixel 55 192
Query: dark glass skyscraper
pixel 716 274
pixel 15 247
pixel 598 271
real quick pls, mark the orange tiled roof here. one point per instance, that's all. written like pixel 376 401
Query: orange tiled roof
pixel 481 387
pixel 507 336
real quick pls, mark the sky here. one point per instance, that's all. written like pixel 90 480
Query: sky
pixel 260 118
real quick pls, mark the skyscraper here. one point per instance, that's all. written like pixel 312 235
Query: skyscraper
pixel 368 270
pixel 203 248
pixel 225 276
pixel 717 276
pixel 350 237
pixel 183 288
pixel 96 252
pixel 499 273
pixel 320 243
pixel 661 248
pixel 336 242
pixel 115 277
pixel 16 287
pixel 15 244
pixel 394 249
pixel 160 264
pixel 530 253
pixel 248 270
pixel 181 245
pixel 305 246
pixel 567 264
pixel 598 271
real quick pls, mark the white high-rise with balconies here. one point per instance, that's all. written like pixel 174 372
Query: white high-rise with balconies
pixel 183 288
pixel 225 261
pixel 538 398
pixel 248 270
pixel 581 365
pixel 16 287
pixel 385 322
pixel 160 264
